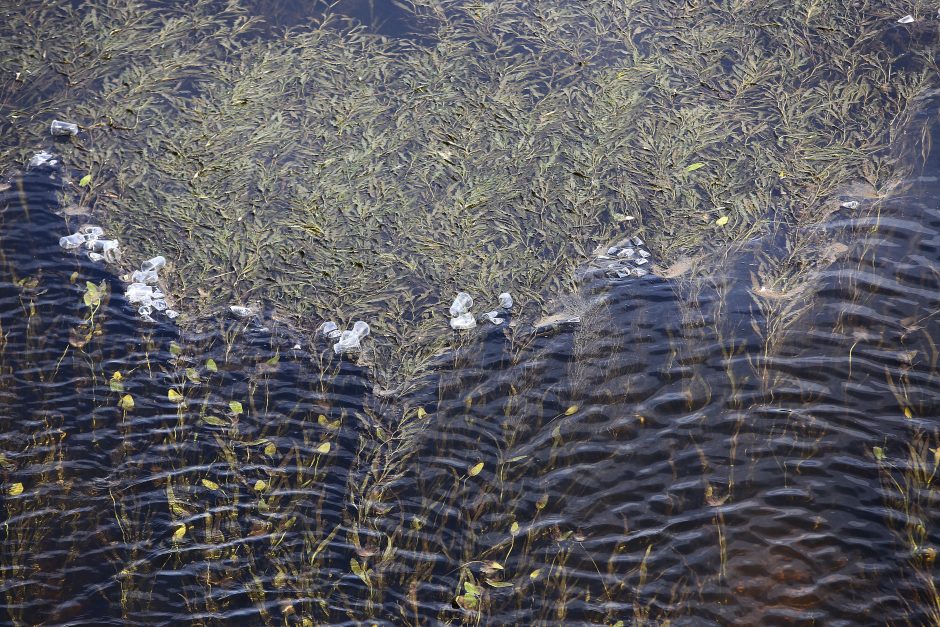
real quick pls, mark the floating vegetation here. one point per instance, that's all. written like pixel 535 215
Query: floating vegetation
pixel 330 173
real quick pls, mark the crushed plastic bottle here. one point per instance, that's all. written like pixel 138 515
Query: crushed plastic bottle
pixel 505 300
pixel 100 245
pixel 329 329
pixel 154 264
pixel 241 312
pixel 907 19
pixel 492 317
pixel 75 240
pixel 95 257
pixel 139 293
pixel 91 232
pixel 361 329
pixel 627 252
pixel 171 313
pixel 463 322
pixel 849 204
pixel 159 304
pixel 613 251
pixel 461 305
pixel 43 159
pixel 141 276
pixel 58 128
pixel 348 343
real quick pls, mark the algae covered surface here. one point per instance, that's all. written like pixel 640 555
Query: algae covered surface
pixel 331 172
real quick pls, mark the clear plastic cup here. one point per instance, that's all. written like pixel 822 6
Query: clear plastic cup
pixel 61 129
pixel 505 300
pixel 461 305
pixel 463 322
pixel 154 263
pixel 74 240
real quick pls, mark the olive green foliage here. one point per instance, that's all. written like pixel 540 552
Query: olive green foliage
pixel 335 173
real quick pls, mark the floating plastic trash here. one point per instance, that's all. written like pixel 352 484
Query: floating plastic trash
pixel 96 256
pixel 641 261
pixel 144 276
pixel 139 293
pixel 645 254
pixel 241 312
pixel 505 300
pixel 63 129
pixel 492 317
pixel 42 159
pixel 613 251
pixel 461 305
pixel 349 341
pixel 100 245
pixel 171 313
pixel 159 304
pixel 145 310
pixel 640 272
pixel 75 240
pixel 627 252
pixel 154 263
pixel 907 19
pixel 638 242
pixel 851 204
pixel 91 232
pixel 463 322
pixel 329 329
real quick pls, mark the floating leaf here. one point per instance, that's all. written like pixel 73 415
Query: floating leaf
pixel 695 166
pixel 85 181
pixel 212 485
pixel 270 449
pixel 475 470
pixel 260 486
pixel 15 489
pixel 468 601
pixel 126 403
pixel 174 396
pixel 421 413
pixel 514 529
pixel 471 588
pixel 908 413
pixel 116 384
pixel 491 566
pixel 571 410
pixel 723 220
pixel 92 297
pixel 210 365
pixel 324 448
pixel 192 375
pixel 179 533
pixel 176 349
pixel 879 453
pixel 535 574
pixel 236 407
pixel 542 502
pixel 499 584
pixel 215 422
pixel 273 361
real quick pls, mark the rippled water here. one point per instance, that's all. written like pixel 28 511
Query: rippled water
pixel 658 463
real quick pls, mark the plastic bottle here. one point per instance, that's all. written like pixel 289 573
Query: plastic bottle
pixel 461 305
pixel 505 300
pixel 155 263
pixel 72 241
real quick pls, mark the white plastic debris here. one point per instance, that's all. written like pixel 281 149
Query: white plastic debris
pixel 640 261
pixel 241 312
pixel 63 129
pixel 139 293
pixel 851 204
pixel 153 264
pixel 638 242
pixel 626 252
pixel 329 329
pixel 907 19
pixel 171 313
pixel 349 341
pixel 159 304
pixel 461 305
pixel 144 276
pixel 505 300
pixel 75 240
pixel 492 317
pixel 91 232
pixel 96 257
pixel 42 158
pixel 613 251
pixel 463 322
pixel 644 253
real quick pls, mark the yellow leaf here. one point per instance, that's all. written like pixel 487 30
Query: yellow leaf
pixel 498 584
pixel 215 422
pixel 211 366
pixel 324 448
pixel 117 376
pixel 542 502
pixel 236 407
pixel 475 470
pixel 571 410
pixel 212 485
pixel 514 529
pixel 179 533
pixel 260 486
pixel 270 449
pixel 15 489
pixel 879 452
pixel 723 220
pixel 421 413
pixel 695 166
pixel 174 396
pixel 126 403
pixel 908 413
pixel 535 574
pixel 85 181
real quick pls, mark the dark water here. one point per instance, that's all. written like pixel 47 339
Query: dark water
pixel 660 464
